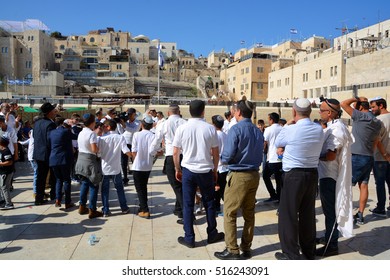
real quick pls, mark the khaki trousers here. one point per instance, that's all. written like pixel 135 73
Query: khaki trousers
pixel 240 193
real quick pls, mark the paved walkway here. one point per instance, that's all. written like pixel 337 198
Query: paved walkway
pixel 45 233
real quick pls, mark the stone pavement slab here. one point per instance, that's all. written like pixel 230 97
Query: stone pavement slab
pixel 45 232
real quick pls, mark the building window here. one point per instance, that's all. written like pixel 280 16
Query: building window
pixel 137 50
pixel 242 87
pixel 303 78
pixel 387 34
pixel 32 38
pixel 4 49
pixel 331 71
pixel 247 70
pixel 259 86
pixel 246 86
pixel 92 40
pixel 271 84
pixel 319 74
pixel 242 71
pixel 335 70
pixel 117 39
pixel 260 69
pixel 119 66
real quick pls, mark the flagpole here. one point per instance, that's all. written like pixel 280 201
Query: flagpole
pixel 158 83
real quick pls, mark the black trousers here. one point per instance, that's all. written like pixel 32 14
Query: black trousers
pixel 276 169
pixel 175 184
pixel 141 179
pixel 221 181
pixel 124 164
pixel 42 172
pixel 297 226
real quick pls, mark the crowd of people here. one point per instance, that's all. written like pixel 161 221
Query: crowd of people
pixel 214 161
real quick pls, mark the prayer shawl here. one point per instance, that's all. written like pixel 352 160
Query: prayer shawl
pixel 344 215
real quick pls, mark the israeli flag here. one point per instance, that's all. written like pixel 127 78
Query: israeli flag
pixel 293 31
pixel 160 56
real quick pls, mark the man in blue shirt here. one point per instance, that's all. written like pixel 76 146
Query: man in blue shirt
pixel 243 153
pixel 302 143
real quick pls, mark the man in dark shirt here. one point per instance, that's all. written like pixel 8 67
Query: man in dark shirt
pixel 42 148
pixel 365 130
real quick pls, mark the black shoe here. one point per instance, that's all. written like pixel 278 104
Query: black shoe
pixel 180 221
pixel 246 255
pixel 218 237
pixel 182 241
pixel 321 240
pixel 282 256
pixel 378 212
pixel 271 199
pixel 41 202
pixel 330 251
pixel 226 255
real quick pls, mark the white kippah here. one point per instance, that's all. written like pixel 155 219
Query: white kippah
pixel 302 105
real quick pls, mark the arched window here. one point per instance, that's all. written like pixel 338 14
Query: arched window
pixel 92 40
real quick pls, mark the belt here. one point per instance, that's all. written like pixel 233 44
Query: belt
pixel 305 169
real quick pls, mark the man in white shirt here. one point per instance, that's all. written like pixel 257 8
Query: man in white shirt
pixel 198 141
pixel 273 166
pixel 381 156
pixel 302 143
pixel 166 131
pixel 110 146
pixel 335 173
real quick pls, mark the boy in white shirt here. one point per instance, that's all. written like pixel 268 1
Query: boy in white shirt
pixel 110 146
pixel 142 151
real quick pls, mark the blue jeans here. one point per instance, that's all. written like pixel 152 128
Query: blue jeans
pixel 328 202
pixel 118 183
pixel 205 181
pixel 382 175
pixel 86 186
pixel 34 167
pixel 62 173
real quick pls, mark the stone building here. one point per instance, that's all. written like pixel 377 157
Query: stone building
pixel 356 62
pixel 247 75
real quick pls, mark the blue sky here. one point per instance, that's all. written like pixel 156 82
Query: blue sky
pixel 203 26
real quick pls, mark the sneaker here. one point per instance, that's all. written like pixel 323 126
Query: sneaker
pixel 198 210
pixel 7 207
pixel 379 213
pixel 126 211
pixel 358 218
